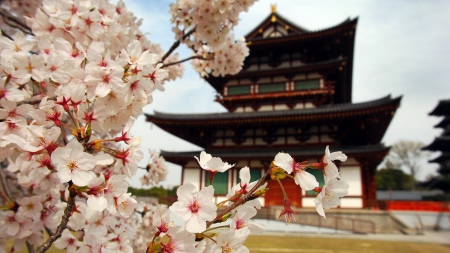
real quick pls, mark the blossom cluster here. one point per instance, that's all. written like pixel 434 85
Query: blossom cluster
pixel 156 170
pixel 329 194
pixel 205 27
pixel 223 227
pixel 69 95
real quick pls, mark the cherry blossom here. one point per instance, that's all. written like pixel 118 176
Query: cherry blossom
pixel 330 193
pixel 194 207
pixel 74 164
pixel 212 164
pixel 329 168
pixel 72 88
pixel 232 241
pixel 305 179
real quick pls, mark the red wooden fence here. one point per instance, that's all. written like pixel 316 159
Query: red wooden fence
pixel 433 206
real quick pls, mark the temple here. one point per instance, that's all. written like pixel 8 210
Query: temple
pixel 442 144
pixel 294 94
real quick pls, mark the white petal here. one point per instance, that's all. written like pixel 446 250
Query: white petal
pixel 82 177
pixel 284 161
pixel 244 175
pixel 306 180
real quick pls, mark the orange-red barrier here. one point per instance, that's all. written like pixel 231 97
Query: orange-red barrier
pixel 417 205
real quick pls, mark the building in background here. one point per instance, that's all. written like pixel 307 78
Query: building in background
pixel 294 94
pixel 442 144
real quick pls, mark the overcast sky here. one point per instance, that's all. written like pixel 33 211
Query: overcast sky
pixel 401 49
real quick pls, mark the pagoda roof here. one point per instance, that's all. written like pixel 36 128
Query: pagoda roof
pixel 441 143
pixel 298 37
pixel 442 109
pixel 374 152
pixel 442 158
pixel 299 34
pixel 192 127
pixel 321 112
pixel 281 71
pixel 444 122
pixel 274 19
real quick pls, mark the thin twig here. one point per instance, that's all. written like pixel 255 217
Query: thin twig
pixel 243 199
pixel 65 219
pixel 176 44
pixel 187 59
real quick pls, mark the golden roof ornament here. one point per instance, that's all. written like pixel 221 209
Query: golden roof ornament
pixel 273 7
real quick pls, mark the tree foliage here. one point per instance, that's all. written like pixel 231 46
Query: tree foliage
pixel 407 156
pixel 391 178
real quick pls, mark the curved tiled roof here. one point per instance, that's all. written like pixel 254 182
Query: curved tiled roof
pixel 324 110
pixel 442 109
pixel 296 36
pixel 310 151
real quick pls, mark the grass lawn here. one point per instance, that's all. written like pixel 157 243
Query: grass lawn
pixel 298 244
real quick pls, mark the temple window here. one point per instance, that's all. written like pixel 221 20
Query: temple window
pixel 318 174
pixel 220 182
pixel 273 87
pixel 238 90
pixel 307 85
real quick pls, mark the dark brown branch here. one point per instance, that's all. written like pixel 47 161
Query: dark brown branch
pixel 65 219
pixel 243 199
pixel 18 24
pixel 176 44
pixel 6 35
pixel 187 59
pixel 4 183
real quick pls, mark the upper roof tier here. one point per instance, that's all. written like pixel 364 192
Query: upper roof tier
pixel 283 54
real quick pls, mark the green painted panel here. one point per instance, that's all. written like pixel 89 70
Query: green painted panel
pixel 254 175
pixel 238 90
pixel 273 87
pixel 319 177
pixel 220 182
pixel 307 85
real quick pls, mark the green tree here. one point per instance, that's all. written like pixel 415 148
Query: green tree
pixel 391 178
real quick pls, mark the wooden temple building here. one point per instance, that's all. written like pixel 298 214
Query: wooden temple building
pixel 294 94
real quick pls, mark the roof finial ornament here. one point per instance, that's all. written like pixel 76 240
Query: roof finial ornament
pixel 273 7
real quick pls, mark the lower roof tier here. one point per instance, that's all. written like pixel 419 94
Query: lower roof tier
pixel 343 124
pixel 369 155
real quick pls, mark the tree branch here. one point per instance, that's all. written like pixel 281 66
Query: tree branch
pixel 243 199
pixel 176 44
pixel 8 18
pixel 187 59
pixel 65 219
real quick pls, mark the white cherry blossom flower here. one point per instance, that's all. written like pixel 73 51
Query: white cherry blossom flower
pixel 232 241
pixel 126 204
pixel 67 241
pixel 195 208
pixel 180 242
pixel 330 193
pixel 30 206
pixel 212 164
pixel 305 179
pixel 330 169
pixel 74 164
